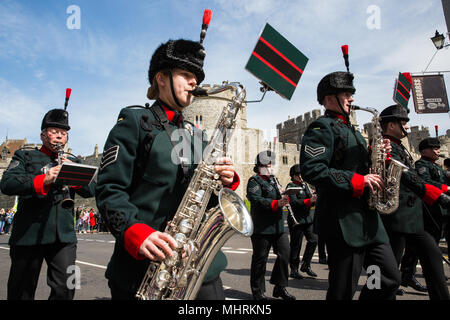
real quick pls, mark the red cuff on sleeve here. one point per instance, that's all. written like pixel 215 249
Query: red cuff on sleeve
pixel 274 205
pixel 444 188
pixel 236 182
pixel 133 238
pixel 39 187
pixel 307 202
pixel 431 194
pixel 358 185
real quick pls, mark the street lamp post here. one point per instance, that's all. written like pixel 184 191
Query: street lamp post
pixel 439 43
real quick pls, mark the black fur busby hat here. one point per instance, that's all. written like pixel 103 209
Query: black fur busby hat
pixel 429 143
pixel 335 83
pixel 393 113
pixel 184 54
pixel 56 118
pixel 263 159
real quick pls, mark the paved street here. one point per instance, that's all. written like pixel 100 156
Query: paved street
pixel 94 251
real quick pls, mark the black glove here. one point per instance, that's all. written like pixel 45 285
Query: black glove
pixel 444 201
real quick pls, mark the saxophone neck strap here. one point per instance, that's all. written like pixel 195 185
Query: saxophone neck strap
pixel 161 117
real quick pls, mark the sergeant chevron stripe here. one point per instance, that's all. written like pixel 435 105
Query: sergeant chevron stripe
pixel 314 152
pixel 109 156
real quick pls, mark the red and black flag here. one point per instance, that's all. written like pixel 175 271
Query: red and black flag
pixel 402 89
pixel 277 62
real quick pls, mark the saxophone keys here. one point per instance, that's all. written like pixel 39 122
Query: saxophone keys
pixel 186 226
pixel 162 279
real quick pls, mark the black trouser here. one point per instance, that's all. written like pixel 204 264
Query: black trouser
pixel 433 226
pixel 296 234
pixel 26 263
pixel 261 246
pixel 345 264
pixel 211 290
pixel 423 246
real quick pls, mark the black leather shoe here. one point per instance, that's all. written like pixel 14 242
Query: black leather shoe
pixel 323 261
pixel 280 292
pixel 294 274
pixel 259 296
pixel 413 283
pixel 400 292
pixel 308 271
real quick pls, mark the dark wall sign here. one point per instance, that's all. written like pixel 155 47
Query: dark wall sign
pixel 430 94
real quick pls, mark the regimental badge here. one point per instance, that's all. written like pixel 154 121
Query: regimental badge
pixel 314 152
pixel 109 156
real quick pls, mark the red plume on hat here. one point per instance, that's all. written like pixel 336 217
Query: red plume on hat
pixel 344 49
pixel 68 93
pixel 207 14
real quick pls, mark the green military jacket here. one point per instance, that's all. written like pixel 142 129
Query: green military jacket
pixel 302 212
pixel 408 217
pixel 334 158
pixel 261 194
pixel 435 175
pixel 40 218
pixel 139 183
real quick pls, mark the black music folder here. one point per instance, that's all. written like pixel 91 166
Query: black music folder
pixel 75 174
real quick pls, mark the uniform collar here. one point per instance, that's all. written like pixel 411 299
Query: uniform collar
pixel 393 139
pixel 297 183
pixel 172 114
pixel 428 159
pixel 333 114
pixel 47 151
pixel 266 178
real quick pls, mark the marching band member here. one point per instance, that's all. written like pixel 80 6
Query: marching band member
pixel 301 206
pixel 269 232
pixel 334 158
pixel 43 227
pixel 140 186
pixel 405 225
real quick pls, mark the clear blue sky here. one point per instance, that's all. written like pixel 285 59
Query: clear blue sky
pixel 105 62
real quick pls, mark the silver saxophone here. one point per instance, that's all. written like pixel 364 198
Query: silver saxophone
pixel 386 200
pixel 200 233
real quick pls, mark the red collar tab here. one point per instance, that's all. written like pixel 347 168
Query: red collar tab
pixel 172 114
pixel 297 183
pixel 334 114
pixel 47 151
pixel 264 177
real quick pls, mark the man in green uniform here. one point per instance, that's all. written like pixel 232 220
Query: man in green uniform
pixel 433 174
pixel 43 227
pixel 142 178
pixel 405 225
pixel 301 203
pixel 269 232
pixel 334 158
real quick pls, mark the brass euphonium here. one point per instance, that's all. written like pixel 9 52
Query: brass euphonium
pixel 199 233
pixel 386 200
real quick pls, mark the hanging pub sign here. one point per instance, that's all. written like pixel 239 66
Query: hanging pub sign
pixel 429 94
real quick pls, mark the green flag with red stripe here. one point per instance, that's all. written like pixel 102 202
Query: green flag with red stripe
pixel 277 62
pixel 402 89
